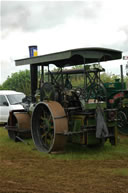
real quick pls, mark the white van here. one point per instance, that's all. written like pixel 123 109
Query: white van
pixel 9 100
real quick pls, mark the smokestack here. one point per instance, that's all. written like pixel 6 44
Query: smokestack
pixel 33 72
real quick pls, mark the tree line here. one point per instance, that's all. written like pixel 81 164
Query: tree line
pixel 20 81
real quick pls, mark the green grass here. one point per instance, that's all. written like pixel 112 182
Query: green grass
pixel 72 151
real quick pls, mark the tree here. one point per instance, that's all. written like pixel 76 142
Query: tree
pixel 1 88
pixel 19 81
pixel 108 77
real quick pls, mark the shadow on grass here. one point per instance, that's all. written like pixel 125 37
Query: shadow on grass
pixel 75 151
pixel 95 152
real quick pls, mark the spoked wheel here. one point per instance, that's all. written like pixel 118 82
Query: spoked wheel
pixel 49 123
pixel 122 122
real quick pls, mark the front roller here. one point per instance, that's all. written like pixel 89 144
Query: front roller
pixel 49 123
pixel 19 125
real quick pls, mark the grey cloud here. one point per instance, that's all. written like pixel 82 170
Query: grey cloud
pixel 91 10
pixel 32 16
pixel 13 16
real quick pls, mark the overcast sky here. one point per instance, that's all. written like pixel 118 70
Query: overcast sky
pixel 61 25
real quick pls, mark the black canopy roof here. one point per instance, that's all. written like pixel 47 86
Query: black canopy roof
pixel 73 57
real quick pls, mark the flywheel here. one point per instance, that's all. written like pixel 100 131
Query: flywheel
pixel 49 123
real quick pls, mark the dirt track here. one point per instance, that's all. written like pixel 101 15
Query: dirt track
pixel 24 173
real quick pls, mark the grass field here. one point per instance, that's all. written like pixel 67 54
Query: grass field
pixel 79 169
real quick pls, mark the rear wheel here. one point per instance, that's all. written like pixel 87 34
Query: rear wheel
pixel 49 123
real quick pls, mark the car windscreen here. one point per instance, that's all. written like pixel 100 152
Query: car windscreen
pixel 15 98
